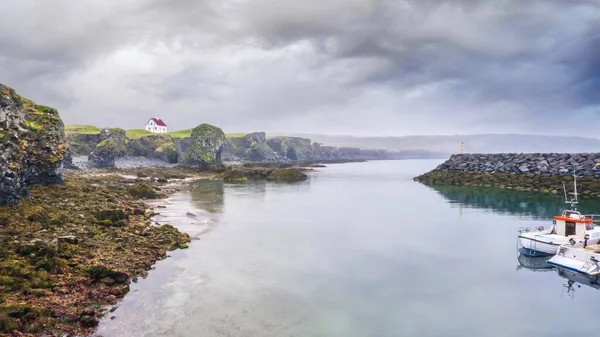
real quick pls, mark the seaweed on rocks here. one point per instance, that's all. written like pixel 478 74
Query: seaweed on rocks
pixel 238 174
pixel 72 248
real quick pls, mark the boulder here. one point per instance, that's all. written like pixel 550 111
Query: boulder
pixel 32 145
pixel 205 146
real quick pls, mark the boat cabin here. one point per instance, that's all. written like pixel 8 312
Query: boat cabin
pixel 571 222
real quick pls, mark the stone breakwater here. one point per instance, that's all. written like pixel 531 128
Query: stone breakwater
pixel 536 172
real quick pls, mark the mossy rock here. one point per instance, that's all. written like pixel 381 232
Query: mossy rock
pixel 112 215
pixel 234 176
pixel 99 272
pixel 206 146
pixel 287 175
pixel 142 191
pixel 22 316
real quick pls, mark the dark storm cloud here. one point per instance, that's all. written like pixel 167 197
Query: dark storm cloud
pixel 351 66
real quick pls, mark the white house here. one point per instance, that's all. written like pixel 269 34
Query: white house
pixel 156 125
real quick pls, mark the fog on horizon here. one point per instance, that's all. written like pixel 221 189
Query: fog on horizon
pixel 351 67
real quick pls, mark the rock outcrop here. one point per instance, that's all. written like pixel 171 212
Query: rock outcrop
pixel 293 148
pixel 537 172
pixel 252 147
pixel 204 147
pixel 32 145
pixel 83 144
pixel 157 146
pixel 112 145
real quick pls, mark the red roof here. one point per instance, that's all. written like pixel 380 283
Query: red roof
pixel 158 121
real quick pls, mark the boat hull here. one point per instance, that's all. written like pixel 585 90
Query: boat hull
pixel 577 259
pixel 535 247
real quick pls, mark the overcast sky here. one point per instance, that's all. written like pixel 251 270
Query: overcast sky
pixel 362 67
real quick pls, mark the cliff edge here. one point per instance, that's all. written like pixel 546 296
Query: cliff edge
pixel 32 145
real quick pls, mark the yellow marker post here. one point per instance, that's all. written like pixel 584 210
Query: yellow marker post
pixel 462 147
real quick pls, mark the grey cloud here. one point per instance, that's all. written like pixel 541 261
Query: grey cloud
pixel 351 66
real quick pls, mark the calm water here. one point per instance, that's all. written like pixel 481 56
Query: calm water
pixel 358 250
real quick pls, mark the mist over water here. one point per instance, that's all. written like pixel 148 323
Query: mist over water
pixel 357 250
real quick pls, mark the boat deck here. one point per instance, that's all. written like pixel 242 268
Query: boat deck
pixel 593 248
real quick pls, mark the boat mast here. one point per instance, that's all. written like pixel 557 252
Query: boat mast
pixel 573 201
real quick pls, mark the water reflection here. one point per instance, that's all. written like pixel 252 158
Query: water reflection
pixel 534 263
pixel 537 206
pixel 573 279
pixel 208 195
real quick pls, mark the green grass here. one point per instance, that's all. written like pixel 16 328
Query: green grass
pixel 188 133
pixel 44 109
pixel 137 133
pixel 33 126
pixel 236 134
pixel 82 129
pixel 180 133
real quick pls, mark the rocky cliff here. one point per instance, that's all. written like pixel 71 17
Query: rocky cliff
pixel 32 145
pixel 538 172
pixel 251 148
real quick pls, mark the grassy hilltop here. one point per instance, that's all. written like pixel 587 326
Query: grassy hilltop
pixel 136 133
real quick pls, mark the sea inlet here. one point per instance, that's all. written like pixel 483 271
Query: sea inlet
pixel 358 250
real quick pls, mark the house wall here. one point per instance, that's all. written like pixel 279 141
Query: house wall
pixel 152 127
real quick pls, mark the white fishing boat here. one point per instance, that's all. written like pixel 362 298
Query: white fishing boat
pixel 578 257
pixel 570 225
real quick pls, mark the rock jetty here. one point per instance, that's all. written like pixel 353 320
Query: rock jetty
pixel 537 172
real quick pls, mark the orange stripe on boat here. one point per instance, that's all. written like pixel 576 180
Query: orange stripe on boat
pixel 566 218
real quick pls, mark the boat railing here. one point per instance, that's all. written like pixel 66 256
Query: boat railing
pixel 595 217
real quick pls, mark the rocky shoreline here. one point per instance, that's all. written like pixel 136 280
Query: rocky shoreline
pixel 538 172
pixel 71 250
pixel 73 238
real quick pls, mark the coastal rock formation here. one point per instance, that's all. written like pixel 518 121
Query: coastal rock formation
pixel 83 144
pixel 538 172
pixel 204 147
pixel 157 146
pixel 111 146
pixel 293 148
pixel 32 145
pixel 250 148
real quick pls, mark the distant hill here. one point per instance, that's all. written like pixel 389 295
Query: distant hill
pixel 482 143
